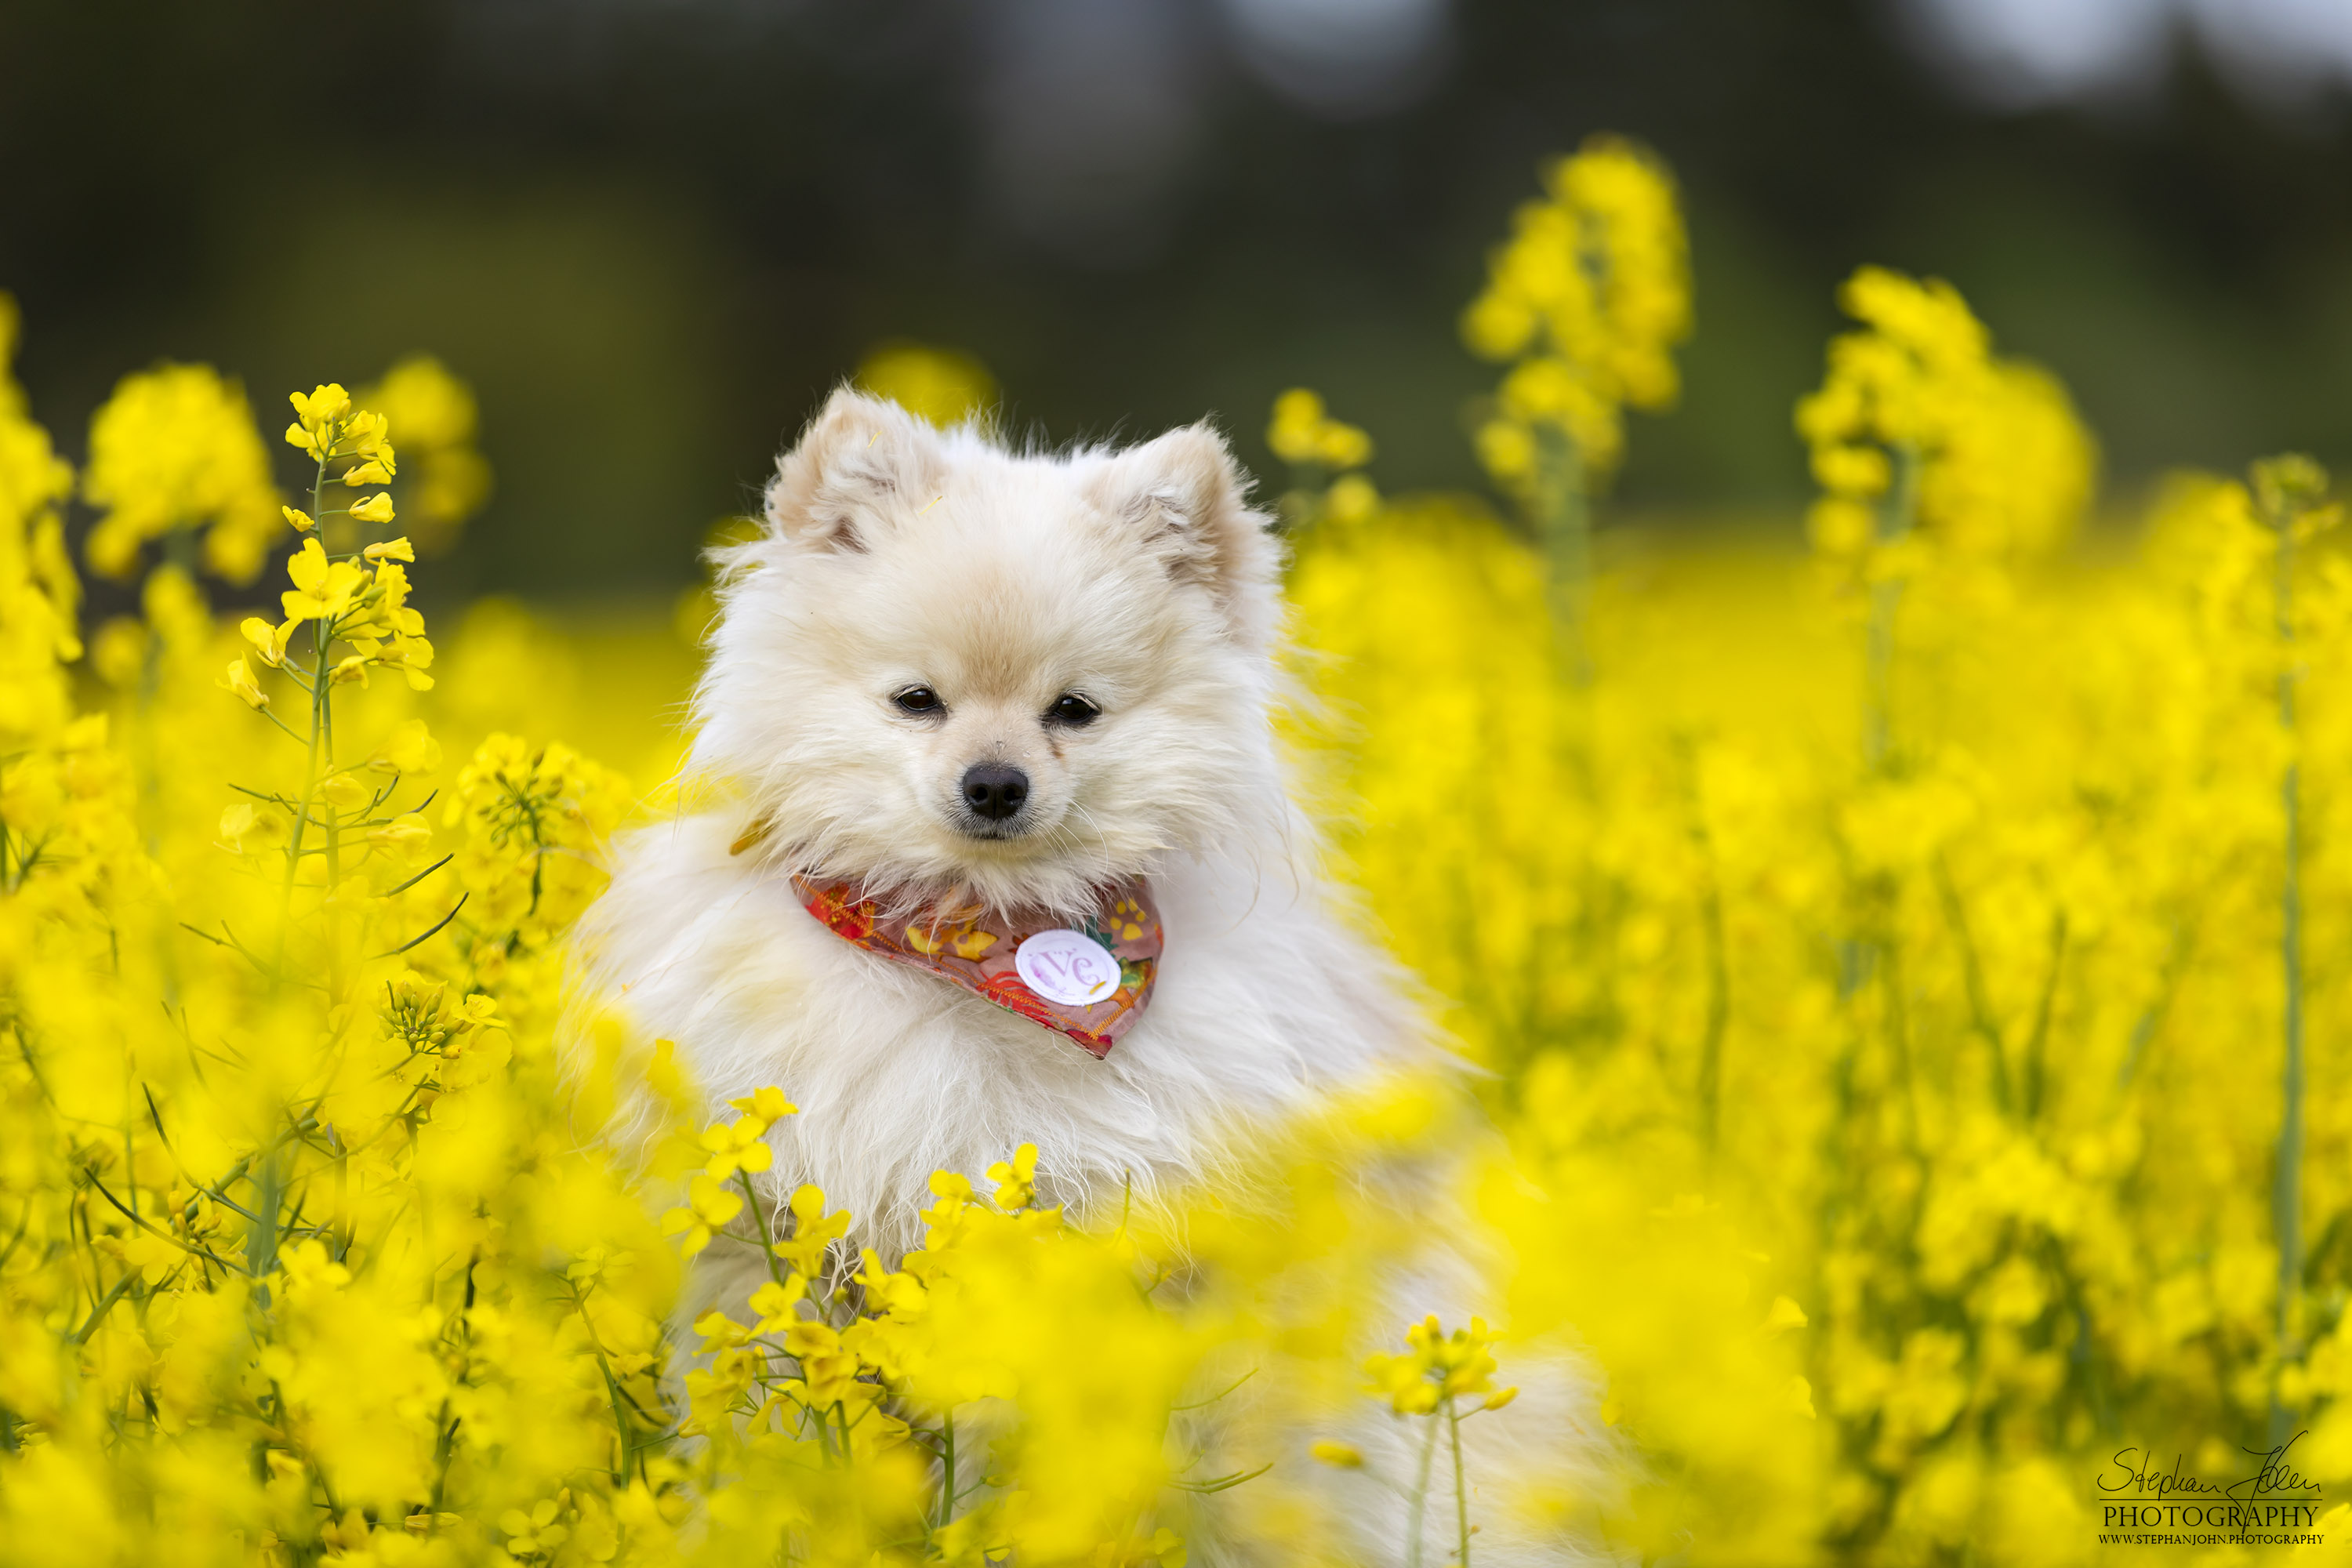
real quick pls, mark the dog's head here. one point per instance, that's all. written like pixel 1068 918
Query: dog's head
pixel 944 663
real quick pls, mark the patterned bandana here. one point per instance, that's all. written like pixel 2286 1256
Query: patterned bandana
pixel 1089 981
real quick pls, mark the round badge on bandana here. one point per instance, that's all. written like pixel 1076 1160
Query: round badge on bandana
pixel 1068 967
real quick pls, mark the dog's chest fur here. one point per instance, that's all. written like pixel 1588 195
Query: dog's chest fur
pixel 1264 1004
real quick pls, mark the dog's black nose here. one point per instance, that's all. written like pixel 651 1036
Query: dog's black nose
pixel 995 791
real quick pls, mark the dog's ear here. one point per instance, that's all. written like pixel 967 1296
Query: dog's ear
pixel 859 460
pixel 1183 498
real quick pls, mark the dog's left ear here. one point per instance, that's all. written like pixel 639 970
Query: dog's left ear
pixel 1183 498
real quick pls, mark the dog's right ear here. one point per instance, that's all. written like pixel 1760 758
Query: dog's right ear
pixel 860 459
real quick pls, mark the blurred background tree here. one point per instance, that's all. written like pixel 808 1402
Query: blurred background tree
pixel 651 233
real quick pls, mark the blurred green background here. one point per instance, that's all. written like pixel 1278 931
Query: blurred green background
pixel 652 232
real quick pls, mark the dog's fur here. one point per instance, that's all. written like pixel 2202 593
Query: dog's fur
pixel 896 555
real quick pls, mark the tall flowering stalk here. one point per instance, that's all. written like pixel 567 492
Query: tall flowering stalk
pixel 1937 460
pixel 1585 302
pixel 2288 493
pixel 1433 1377
pixel 357 601
pixel 1930 451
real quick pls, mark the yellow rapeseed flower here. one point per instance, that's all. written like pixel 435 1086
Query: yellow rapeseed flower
pixel 814 1232
pixel 240 680
pixel 945 386
pixel 1303 433
pixel 773 1303
pixel 269 641
pixel 766 1106
pixel 322 589
pixel 736 1146
pixel 1015 1179
pixel 410 749
pixel 318 416
pixel 708 1206
pixel 1434 1368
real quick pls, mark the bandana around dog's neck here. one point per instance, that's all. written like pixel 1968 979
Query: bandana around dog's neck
pixel 1088 980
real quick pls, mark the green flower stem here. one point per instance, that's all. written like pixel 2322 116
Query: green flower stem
pixel 1419 1497
pixel 948 1497
pixel 2286 1191
pixel 1563 517
pixel 1461 1493
pixel 760 1216
pixel 1896 517
pixel 1709 1087
pixel 318 685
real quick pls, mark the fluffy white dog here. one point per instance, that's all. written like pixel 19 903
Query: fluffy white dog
pixel 930 617
pixel 947 677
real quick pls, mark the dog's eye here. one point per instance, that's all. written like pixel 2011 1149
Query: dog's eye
pixel 919 699
pixel 1071 709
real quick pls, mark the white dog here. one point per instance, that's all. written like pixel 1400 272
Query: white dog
pixel 950 678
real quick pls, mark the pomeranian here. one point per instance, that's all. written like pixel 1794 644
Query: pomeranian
pixel 1006 854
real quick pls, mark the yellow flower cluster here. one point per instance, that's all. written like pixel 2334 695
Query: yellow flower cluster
pixel 1929 1131
pixel 172 451
pixel 1303 432
pixel 63 826
pixel 254 1307
pixel 1586 302
pixel 38 593
pixel 447 479
pixel 945 386
pixel 1323 450
pixel 1922 437
pixel 900 1377
pixel 1436 1367
pixel 1927 446
pixel 534 820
